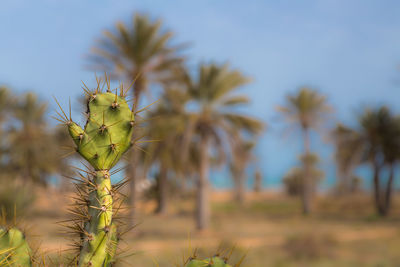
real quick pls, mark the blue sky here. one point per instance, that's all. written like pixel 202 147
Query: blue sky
pixel 348 49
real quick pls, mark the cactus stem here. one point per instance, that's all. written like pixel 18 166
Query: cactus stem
pixel 100 209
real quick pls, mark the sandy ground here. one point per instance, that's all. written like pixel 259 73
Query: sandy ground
pixel 263 228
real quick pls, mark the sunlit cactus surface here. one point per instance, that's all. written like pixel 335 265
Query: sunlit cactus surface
pixel 14 250
pixel 211 262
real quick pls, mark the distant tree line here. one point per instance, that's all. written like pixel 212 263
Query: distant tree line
pixel 373 141
pixel 30 149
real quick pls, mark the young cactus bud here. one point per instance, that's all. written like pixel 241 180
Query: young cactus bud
pixel 212 262
pixel 14 250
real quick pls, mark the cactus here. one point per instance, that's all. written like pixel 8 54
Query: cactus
pixel 211 262
pixel 104 139
pixel 14 250
pixel 220 259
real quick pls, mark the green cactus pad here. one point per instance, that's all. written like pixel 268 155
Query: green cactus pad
pixel 211 262
pixel 108 130
pixel 14 250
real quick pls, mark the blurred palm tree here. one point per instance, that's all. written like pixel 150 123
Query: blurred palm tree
pixel 6 104
pixel 242 155
pixel 306 109
pixel 33 152
pixel 258 181
pixel 29 150
pixel 377 142
pixel 167 127
pixel 391 151
pixel 348 155
pixel 212 122
pixel 142 52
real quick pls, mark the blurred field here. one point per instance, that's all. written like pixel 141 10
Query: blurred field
pixel 269 228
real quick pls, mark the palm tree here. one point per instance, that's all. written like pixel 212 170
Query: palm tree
pixel 305 109
pixel 212 122
pixel 391 152
pixel 258 181
pixel 33 153
pixel 241 157
pixel 142 52
pixel 6 104
pixel 348 155
pixel 167 127
pixel 376 141
pixel 380 132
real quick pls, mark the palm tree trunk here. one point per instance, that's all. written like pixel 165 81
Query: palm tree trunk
pixel 162 190
pixel 257 182
pixel 240 188
pixel 389 189
pixel 377 189
pixel 202 200
pixel 306 190
pixel 342 180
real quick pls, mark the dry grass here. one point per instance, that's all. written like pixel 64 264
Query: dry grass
pixel 269 227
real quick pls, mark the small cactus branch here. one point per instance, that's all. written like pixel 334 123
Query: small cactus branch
pixel 211 262
pixel 14 250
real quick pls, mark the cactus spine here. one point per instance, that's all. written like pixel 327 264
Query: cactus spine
pixel 14 250
pixel 102 142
